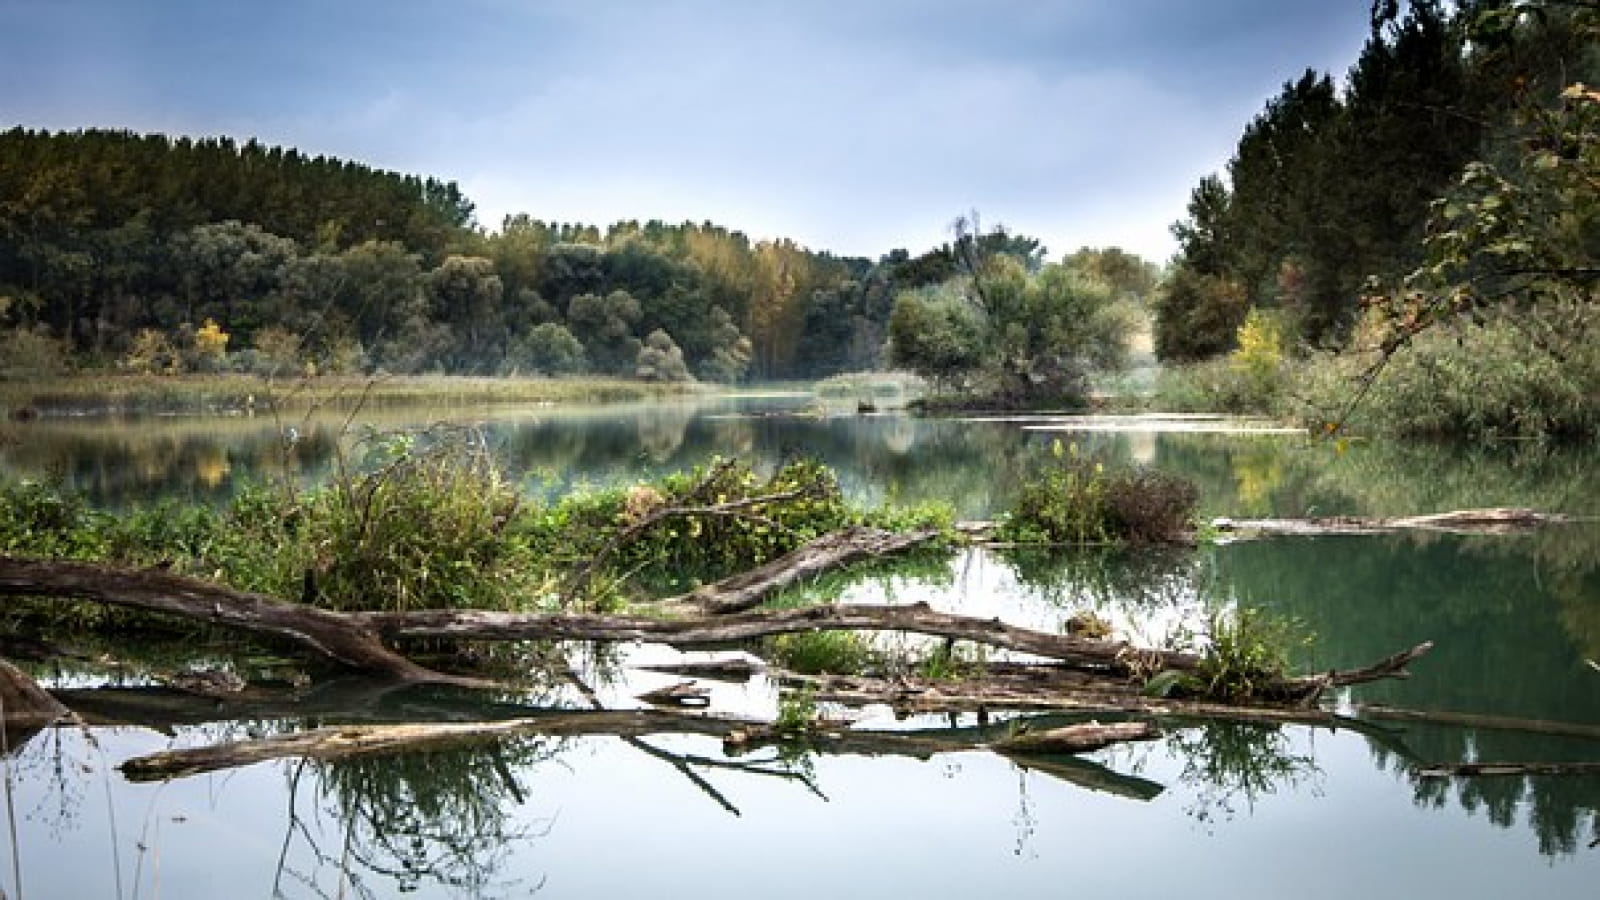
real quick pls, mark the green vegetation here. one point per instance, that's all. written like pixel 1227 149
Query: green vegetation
pixel 143 254
pixel 1074 498
pixel 429 521
pixel 822 652
pixel 1424 239
pixel 1005 330
pixel 232 393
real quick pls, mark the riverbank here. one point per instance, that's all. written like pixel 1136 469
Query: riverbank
pixel 232 394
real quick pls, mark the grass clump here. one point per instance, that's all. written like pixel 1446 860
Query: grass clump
pixel 822 652
pixel 423 527
pixel 1075 499
pixel 1244 653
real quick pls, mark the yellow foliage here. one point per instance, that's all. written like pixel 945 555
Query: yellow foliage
pixel 1260 350
pixel 210 341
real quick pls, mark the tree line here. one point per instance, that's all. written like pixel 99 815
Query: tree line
pixel 121 251
pixel 1337 193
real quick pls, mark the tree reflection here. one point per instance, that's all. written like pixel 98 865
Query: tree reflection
pixel 408 819
pixel 1234 764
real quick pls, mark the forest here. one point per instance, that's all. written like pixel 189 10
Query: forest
pixel 1433 215
pixel 150 254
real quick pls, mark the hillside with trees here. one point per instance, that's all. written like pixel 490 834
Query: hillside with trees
pixel 143 253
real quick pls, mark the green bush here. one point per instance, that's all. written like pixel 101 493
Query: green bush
pixel 423 528
pixel 1075 499
pixel 1536 377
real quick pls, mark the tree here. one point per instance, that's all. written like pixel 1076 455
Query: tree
pixel 936 333
pixel 730 349
pixel 549 349
pixel 661 360
pixel 466 294
pixel 605 326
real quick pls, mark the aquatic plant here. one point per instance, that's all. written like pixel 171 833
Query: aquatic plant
pixel 1074 498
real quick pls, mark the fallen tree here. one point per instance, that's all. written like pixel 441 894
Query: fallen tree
pixel 357 639
pixel 1494 520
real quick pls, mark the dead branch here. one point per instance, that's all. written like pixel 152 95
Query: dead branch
pixel 1496 520
pixel 23 702
pixel 1480 721
pixel 332 635
pixel 747 590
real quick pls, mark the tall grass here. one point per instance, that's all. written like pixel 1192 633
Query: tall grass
pixel 224 393
pixel 1074 498
pixel 1506 379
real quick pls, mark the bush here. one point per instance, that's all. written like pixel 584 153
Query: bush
pixel 1074 499
pixel 1533 377
pixel 424 529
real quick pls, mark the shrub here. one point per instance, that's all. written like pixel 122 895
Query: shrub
pixel 1534 377
pixel 423 529
pixel 1075 499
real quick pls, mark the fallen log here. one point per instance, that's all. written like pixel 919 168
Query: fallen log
pixel 22 702
pixel 335 743
pixel 1479 720
pixel 1077 738
pixel 332 635
pixel 356 639
pixel 747 590
pixel 1495 520
pixel 1503 769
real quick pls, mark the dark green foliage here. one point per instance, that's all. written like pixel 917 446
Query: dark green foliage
pixel 41 520
pixel 106 234
pixel 1329 188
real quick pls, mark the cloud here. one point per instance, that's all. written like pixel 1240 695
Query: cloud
pixel 851 125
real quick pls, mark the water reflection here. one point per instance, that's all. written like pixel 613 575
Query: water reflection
pixel 1513 618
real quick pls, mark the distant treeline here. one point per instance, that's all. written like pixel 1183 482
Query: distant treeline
pixel 1329 193
pixel 149 253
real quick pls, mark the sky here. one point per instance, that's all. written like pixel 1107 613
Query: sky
pixel 856 126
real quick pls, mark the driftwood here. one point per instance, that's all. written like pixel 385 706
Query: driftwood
pixel 1496 520
pixel 329 634
pixel 1480 721
pixel 357 639
pixel 22 702
pixel 1077 738
pixel 831 551
pixel 740 735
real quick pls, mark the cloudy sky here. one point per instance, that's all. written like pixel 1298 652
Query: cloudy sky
pixel 850 125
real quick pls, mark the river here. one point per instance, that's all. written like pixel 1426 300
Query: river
pixel 1209 810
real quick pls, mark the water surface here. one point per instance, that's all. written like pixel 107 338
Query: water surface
pixel 1210 810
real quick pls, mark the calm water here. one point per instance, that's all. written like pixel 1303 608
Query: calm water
pixel 1209 811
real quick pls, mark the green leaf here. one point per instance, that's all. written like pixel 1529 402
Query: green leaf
pixel 1164 683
